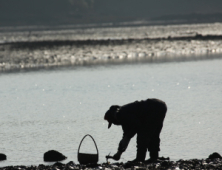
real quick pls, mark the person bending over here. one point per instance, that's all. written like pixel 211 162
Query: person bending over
pixel 144 118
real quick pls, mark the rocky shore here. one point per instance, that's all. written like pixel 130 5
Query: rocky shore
pixel 214 161
pixel 159 165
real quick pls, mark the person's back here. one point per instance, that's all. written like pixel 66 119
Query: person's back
pixel 136 114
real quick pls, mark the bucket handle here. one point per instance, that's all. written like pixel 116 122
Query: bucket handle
pixel 93 141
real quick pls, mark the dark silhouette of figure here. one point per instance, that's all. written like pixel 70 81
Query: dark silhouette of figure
pixel 144 118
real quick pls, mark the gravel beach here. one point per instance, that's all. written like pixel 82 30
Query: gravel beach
pixel 214 161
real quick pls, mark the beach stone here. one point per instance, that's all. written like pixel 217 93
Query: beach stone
pixel 165 164
pixel 2 157
pixel 214 156
pixel 53 156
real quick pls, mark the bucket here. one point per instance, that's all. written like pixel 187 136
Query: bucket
pixel 87 158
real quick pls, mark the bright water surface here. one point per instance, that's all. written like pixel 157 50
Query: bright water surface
pixel 54 109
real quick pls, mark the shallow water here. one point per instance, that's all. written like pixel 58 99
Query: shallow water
pixel 54 109
pixel 67 46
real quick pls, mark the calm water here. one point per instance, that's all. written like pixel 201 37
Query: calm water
pixel 47 110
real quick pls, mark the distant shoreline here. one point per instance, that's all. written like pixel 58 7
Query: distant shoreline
pixel 49 49
pixel 47 54
pixel 133 23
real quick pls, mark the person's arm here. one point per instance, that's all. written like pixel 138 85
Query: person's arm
pixel 123 145
pixel 129 124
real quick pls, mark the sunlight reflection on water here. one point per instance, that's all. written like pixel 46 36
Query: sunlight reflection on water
pixel 47 110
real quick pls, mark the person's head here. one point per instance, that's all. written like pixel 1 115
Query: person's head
pixel 110 115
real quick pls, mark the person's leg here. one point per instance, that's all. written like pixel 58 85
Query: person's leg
pixel 154 144
pixel 142 141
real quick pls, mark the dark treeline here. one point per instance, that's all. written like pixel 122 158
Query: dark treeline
pixel 56 12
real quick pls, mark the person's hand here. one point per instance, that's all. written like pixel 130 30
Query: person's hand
pixel 117 156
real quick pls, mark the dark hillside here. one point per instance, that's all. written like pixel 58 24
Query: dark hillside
pixel 57 12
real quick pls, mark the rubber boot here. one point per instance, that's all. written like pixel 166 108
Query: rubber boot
pixel 153 157
pixel 140 157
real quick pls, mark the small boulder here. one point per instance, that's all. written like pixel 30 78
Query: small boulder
pixel 2 157
pixel 53 156
pixel 214 156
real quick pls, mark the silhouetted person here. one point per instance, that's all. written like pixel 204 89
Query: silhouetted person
pixel 144 118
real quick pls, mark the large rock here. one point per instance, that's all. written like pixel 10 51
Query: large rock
pixel 214 155
pixel 53 156
pixel 2 157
